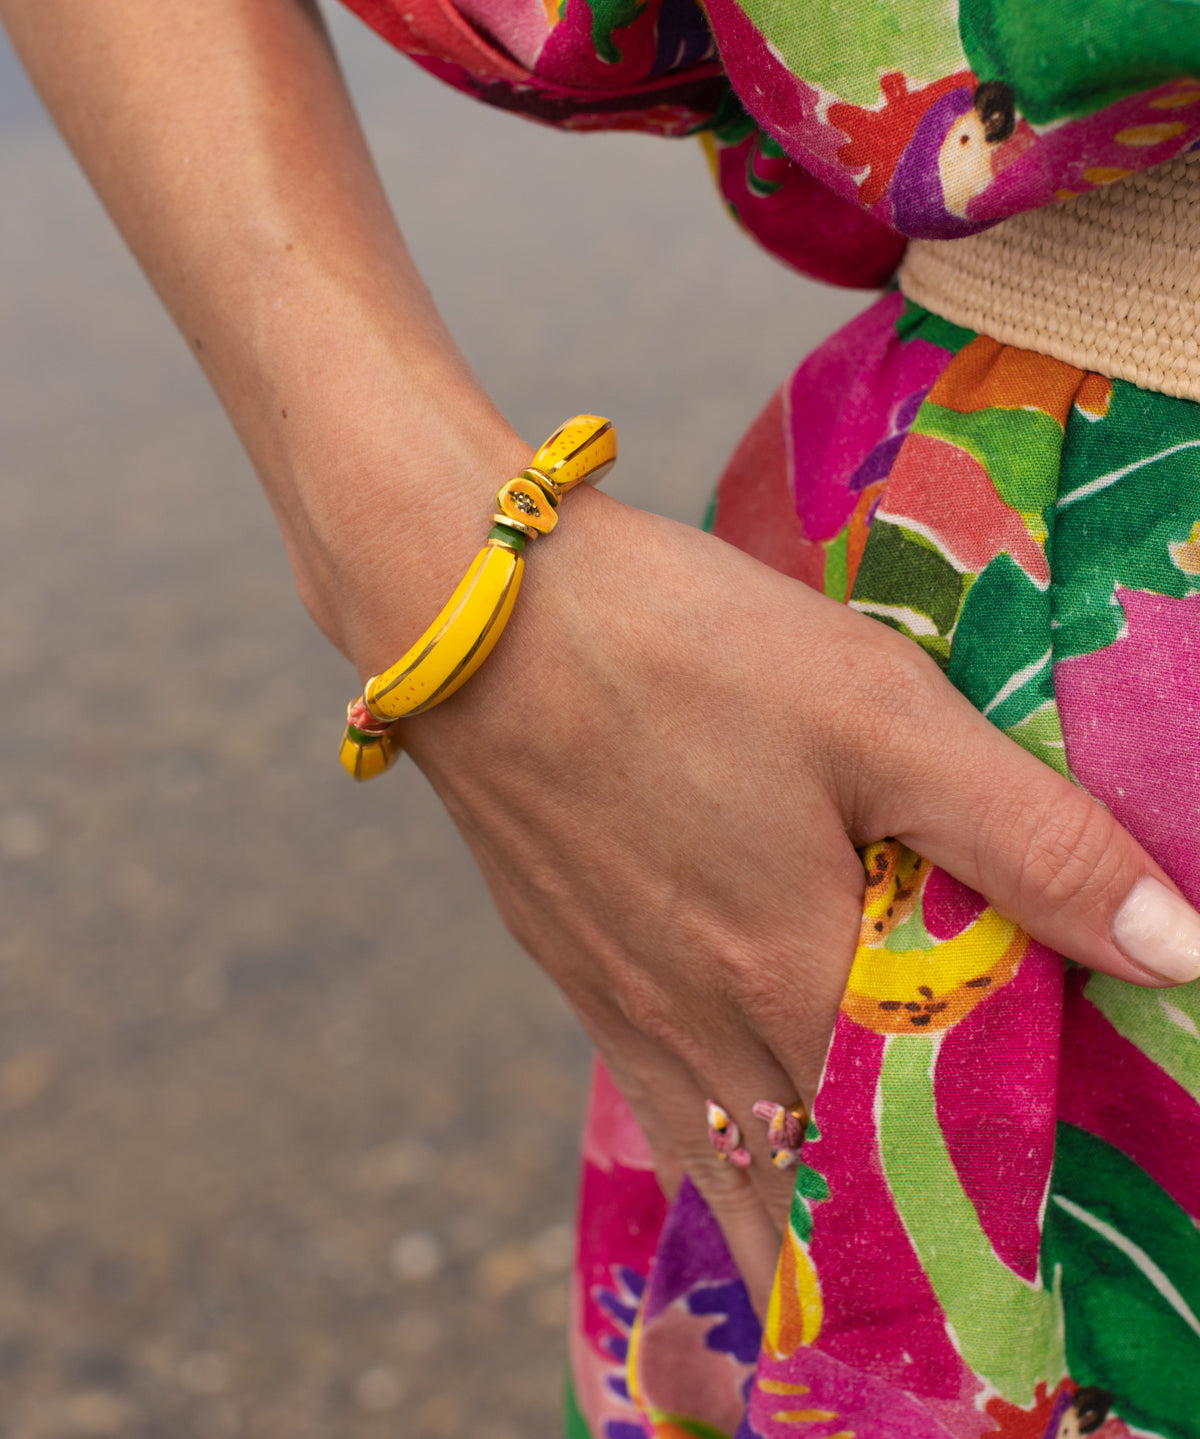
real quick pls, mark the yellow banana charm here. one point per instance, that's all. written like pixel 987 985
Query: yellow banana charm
pixel 472 620
pixel 457 642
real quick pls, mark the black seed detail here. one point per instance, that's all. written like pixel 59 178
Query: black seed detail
pixel 925 990
pixel 935 1008
pixel 982 982
pixel 891 1005
pixel 920 1019
pixel 912 1006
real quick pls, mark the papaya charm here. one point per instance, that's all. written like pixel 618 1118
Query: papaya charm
pixel 528 505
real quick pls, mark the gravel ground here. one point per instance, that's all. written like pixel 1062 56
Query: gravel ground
pixel 263 1176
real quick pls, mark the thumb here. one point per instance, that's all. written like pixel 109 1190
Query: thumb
pixel 1044 853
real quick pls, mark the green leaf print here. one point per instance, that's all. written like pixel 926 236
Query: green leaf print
pixel 1041 734
pixel 681 1424
pixel 1060 65
pixel 837 571
pixel 1001 657
pixel 810 1189
pixel 1129 491
pixel 1009 1332
pixel 730 124
pixel 846 48
pixel 1128 1260
pixel 607 16
pixel 1019 449
pixel 574 1424
pixel 1163 1023
pixel 914 323
pixel 898 566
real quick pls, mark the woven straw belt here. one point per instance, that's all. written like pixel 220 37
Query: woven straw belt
pixel 1108 281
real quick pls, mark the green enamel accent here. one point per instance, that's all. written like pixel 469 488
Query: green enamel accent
pixel 1056 69
pixel 607 16
pixel 574 1424
pixel 512 537
pixel 710 514
pixel 362 736
pixel 1019 449
pixel 837 575
pixel 1163 1023
pixel 1007 1331
pixel 916 323
pixel 1128 1261
pixel 848 47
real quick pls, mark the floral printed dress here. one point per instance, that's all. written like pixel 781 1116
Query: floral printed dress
pixel 995 1221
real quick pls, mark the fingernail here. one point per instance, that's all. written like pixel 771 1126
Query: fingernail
pixel 1160 931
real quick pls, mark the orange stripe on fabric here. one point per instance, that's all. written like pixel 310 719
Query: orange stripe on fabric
pixel 986 373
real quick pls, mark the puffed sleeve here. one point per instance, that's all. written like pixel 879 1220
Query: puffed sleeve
pixel 648 65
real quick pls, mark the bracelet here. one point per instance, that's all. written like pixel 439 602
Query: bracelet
pixel 473 618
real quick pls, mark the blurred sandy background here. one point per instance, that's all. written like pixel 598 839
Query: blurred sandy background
pixel 262 1176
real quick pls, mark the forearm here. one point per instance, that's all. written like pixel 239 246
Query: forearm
pixel 222 141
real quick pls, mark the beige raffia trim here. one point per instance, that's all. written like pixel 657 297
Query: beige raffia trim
pixel 1108 281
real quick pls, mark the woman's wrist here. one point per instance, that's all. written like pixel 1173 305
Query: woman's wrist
pixel 384 504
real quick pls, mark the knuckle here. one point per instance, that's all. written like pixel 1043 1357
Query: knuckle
pixel 1069 855
pixel 902 681
pixel 649 1011
pixel 883 759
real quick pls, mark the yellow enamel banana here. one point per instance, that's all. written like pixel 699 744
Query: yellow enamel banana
pixel 445 657
pixel 368 748
pixel 457 642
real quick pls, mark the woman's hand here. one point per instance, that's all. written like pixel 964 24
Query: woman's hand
pixel 664 770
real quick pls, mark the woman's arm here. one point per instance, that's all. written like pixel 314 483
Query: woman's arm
pixel 667 763
pixel 222 141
